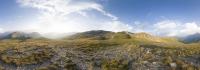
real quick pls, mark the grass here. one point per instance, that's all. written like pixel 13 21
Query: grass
pixel 165 53
pixel 22 58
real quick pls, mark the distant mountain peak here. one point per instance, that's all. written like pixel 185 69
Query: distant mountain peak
pixel 192 38
pixel 20 35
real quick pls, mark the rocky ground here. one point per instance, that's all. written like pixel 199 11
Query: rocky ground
pixel 121 52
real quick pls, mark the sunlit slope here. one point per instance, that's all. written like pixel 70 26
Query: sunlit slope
pixel 123 37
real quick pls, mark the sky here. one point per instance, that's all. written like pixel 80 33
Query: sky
pixel 158 17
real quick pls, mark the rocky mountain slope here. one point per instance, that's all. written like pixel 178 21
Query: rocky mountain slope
pixel 192 38
pixel 20 35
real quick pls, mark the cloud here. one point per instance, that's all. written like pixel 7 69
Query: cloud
pixel 117 26
pixel 71 16
pixel 64 7
pixel 191 28
pixel 174 28
pixel 166 25
pixel 167 28
pixel 1 30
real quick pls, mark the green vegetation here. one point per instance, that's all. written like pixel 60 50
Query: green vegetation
pixel 22 58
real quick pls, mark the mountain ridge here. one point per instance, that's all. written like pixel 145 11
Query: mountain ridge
pixel 193 38
pixel 20 35
pixel 101 35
